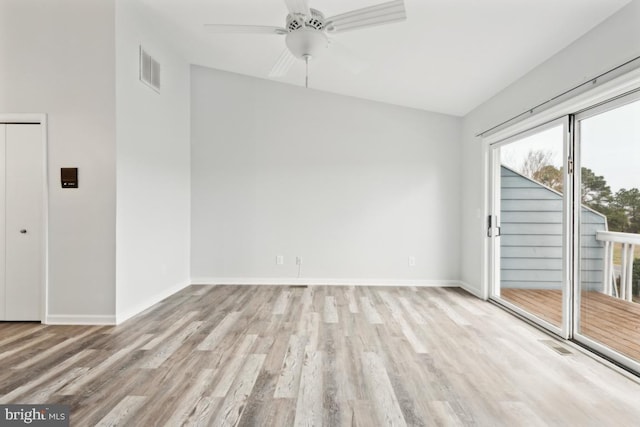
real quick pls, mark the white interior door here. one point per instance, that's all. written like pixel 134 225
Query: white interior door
pixel 22 228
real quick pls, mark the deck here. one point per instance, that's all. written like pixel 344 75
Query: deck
pixel 608 320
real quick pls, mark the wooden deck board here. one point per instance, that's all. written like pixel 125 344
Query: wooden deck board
pixel 608 320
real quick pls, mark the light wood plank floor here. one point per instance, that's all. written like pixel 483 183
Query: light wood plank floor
pixel 608 320
pixel 333 356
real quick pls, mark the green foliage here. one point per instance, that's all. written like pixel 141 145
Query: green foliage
pixel 535 161
pixel 622 209
pixel 550 176
pixel 594 190
pixel 629 202
pixel 617 219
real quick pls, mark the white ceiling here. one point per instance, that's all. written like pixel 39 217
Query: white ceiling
pixel 449 56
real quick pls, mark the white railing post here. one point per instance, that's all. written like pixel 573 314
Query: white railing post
pixel 623 272
pixel 607 270
pixel 612 272
pixel 628 242
pixel 629 282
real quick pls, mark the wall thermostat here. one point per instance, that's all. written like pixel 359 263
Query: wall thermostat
pixel 69 177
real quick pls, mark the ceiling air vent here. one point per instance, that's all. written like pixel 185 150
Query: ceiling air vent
pixel 149 70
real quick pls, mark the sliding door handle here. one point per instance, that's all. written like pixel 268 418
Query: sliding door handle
pixel 490 227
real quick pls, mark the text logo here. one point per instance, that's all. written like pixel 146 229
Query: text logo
pixel 34 415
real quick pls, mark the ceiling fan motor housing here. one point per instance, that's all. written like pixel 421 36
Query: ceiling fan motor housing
pixel 296 21
pixel 306 37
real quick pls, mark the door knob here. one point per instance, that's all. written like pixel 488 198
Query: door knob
pixel 23 231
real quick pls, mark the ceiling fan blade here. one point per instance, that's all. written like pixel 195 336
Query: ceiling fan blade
pixel 380 14
pixel 298 6
pixel 347 58
pixel 243 29
pixel 283 64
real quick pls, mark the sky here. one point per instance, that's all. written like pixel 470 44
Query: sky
pixel 610 146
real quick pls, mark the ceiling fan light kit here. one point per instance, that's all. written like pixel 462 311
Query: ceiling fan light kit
pixel 305 43
pixel 306 31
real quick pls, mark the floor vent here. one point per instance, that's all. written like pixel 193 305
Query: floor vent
pixel 556 347
pixel 149 70
pixel 298 286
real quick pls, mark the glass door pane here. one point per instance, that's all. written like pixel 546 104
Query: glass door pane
pixel 528 199
pixel 608 312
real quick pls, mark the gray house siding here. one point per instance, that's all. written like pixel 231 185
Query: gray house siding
pixel 531 241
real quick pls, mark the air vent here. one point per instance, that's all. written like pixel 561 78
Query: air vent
pixel 149 70
pixel 556 347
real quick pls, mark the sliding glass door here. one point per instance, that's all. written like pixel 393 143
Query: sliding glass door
pixel 607 301
pixel 528 225
pixel 564 227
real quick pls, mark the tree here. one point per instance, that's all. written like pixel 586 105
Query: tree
pixel 617 219
pixel 535 161
pixel 537 166
pixel 594 190
pixel 550 176
pixel 622 209
pixel 629 202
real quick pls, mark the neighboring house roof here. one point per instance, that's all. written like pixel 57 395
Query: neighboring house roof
pixel 555 192
pixel 531 254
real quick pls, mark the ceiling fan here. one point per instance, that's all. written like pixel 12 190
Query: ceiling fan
pixel 306 31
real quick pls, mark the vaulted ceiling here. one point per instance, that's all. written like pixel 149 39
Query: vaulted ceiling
pixel 449 56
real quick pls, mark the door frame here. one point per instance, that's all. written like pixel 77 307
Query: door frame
pixel 587 113
pixel 600 93
pixel 592 100
pixel 39 119
pixel 565 329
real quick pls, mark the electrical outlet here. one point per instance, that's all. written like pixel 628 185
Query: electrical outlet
pixel 279 260
pixel 298 260
pixel 412 261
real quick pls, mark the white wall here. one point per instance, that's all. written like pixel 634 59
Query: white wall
pixel 353 187
pixel 610 44
pixel 153 188
pixel 57 57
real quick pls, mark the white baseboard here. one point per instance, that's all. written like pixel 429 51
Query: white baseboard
pixel 80 319
pixel 472 290
pixel 89 319
pixel 321 281
pixel 149 302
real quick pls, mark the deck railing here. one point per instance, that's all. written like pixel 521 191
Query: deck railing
pixel 628 242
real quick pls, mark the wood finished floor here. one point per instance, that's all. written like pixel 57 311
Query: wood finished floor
pixel 333 356
pixel 608 320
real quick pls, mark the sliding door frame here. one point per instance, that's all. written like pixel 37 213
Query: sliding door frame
pixel 602 97
pixel 600 93
pixel 611 104
pixel 493 224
